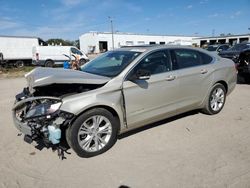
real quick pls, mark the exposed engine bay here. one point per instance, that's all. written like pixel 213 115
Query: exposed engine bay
pixel 63 90
pixel 38 114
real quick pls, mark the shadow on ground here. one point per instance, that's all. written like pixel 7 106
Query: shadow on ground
pixel 156 124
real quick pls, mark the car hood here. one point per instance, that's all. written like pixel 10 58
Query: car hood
pixel 46 76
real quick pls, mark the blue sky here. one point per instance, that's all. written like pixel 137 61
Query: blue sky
pixel 68 19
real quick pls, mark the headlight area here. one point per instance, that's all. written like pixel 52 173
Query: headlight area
pixel 40 118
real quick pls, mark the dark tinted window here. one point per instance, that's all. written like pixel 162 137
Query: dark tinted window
pixel 184 58
pixel 205 59
pixel 157 62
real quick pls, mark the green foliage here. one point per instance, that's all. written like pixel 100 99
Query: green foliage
pixel 63 42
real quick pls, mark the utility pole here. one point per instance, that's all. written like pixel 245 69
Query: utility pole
pixel 112 32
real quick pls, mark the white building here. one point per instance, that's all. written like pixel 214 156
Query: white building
pixel 230 39
pixel 96 42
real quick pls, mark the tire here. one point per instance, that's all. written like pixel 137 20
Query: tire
pixel 49 63
pixel 241 78
pixel 88 139
pixel 216 100
pixel 82 62
pixel 19 64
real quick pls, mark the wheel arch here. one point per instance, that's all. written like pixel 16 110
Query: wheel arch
pixel 49 60
pixel 223 83
pixel 108 108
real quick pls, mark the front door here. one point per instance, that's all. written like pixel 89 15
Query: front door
pixel 150 100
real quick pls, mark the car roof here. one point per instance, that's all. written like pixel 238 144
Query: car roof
pixel 148 48
pixel 151 47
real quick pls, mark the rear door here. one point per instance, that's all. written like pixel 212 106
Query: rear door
pixel 195 76
pixel 150 100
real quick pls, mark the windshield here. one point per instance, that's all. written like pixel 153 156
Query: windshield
pixel 239 47
pixel 111 63
pixel 212 48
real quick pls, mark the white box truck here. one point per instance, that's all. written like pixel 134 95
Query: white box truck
pixel 49 56
pixel 17 50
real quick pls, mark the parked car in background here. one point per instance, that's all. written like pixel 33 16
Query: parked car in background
pixel 218 47
pixel 49 56
pixel 119 91
pixel 235 51
pixel 243 66
pixel 240 54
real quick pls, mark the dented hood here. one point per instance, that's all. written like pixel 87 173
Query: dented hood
pixel 45 76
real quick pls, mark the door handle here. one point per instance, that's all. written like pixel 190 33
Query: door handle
pixel 204 71
pixel 170 78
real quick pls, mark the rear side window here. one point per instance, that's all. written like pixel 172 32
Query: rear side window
pixel 185 58
pixel 206 59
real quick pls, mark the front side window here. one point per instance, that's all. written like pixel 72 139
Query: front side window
pixel 155 63
pixel 185 58
pixel 111 63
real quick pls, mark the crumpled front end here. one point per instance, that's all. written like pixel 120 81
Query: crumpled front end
pixel 40 118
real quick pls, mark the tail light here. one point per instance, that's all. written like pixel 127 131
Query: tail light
pixel 37 56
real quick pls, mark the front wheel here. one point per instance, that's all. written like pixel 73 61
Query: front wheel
pixel 49 63
pixel 93 133
pixel 216 100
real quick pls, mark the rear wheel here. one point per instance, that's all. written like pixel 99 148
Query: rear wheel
pixel 93 133
pixel 19 64
pixel 49 63
pixel 216 100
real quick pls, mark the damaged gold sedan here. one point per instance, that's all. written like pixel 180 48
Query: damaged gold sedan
pixel 120 91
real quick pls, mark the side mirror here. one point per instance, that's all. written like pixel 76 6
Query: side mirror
pixel 219 50
pixel 141 74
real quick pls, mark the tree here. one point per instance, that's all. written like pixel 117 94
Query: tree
pixel 60 42
pixel 76 43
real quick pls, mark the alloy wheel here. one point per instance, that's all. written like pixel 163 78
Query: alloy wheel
pixel 217 99
pixel 94 133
